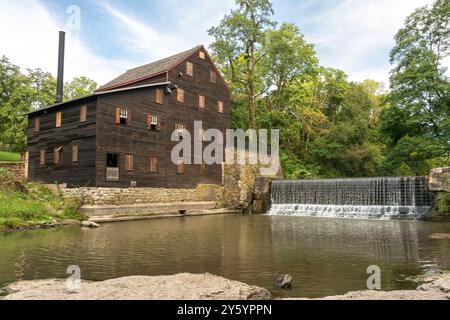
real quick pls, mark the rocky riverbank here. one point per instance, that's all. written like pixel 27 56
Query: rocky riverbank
pixel 177 287
pixel 199 287
pixel 434 288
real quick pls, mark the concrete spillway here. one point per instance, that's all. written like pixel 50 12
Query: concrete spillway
pixel 372 198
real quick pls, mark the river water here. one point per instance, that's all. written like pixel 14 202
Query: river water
pixel 324 256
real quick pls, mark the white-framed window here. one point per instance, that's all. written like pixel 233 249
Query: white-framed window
pixel 124 114
pixel 154 121
pixel 179 128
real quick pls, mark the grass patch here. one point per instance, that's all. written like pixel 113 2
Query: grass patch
pixel 27 204
pixel 9 156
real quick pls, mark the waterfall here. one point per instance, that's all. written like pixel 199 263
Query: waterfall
pixel 372 198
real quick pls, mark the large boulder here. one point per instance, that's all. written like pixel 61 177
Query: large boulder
pixel 177 287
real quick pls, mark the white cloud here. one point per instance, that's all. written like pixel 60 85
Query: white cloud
pixel 183 31
pixel 29 38
pixel 143 40
pixel 356 35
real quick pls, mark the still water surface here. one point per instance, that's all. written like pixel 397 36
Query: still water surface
pixel 324 256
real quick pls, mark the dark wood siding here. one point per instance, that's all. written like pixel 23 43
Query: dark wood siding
pixel 136 139
pixel 72 131
pixel 101 135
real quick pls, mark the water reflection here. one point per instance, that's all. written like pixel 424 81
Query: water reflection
pixel 324 256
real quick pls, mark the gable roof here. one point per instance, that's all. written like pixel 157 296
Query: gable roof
pixel 153 69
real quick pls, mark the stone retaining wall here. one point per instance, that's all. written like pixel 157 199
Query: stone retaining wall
pixel 439 185
pixel 127 196
pixel 17 168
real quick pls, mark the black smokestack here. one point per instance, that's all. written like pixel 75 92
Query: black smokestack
pixel 60 79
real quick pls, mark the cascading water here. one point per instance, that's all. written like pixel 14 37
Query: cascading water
pixel 373 198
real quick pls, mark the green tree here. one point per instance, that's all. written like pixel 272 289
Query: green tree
pixel 417 122
pixel 79 87
pixel 15 101
pixel 237 47
pixel 43 86
pixel 22 93
pixel 287 57
pixel 351 144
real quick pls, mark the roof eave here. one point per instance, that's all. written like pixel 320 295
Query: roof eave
pixel 96 94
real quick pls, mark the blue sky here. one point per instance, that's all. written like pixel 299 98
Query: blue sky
pixel 115 35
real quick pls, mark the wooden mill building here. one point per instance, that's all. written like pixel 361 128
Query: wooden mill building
pixel 120 136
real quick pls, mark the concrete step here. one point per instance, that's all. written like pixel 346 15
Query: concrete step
pixel 123 218
pixel 148 209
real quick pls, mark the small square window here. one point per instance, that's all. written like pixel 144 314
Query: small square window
pixel 112 160
pixel 189 69
pixel 112 167
pixel 202 55
pixel 153 122
pixel 179 127
pixel 123 116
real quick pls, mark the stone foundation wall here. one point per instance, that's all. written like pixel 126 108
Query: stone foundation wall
pixel 127 196
pixel 17 168
pixel 439 185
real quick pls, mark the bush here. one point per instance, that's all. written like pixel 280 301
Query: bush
pixel 31 203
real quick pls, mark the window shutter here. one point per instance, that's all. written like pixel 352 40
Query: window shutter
pixel 128 117
pixel 58 119
pixel 220 106
pixel 37 125
pixel 189 69
pixel 56 156
pixel 153 165
pixel 180 95
pixel 203 168
pixel 181 167
pixel 117 118
pixel 129 162
pixel 159 96
pixel 158 126
pixel 201 102
pixel 74 153
pixel 83 112
pixel 213 76
pixel 42 157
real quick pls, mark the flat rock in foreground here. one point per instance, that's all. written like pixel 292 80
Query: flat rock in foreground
pixel 435 288
pixel 177 287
